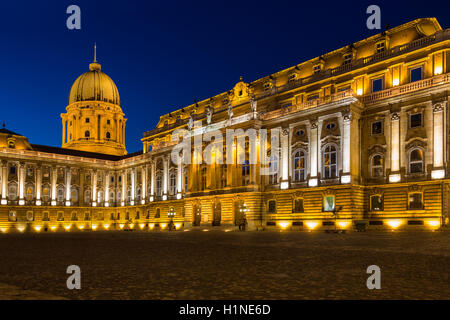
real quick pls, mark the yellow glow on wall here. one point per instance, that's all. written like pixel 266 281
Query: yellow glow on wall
pixel 131 226
pixel 394 223
pixel 434 223
pixel 343 224
pixel 67 227
pixel 121 226
pixel 37 228
pixel 163 225
pixel 396 82
pixel 359 92
pixel 437 70
pixel 81 226
pixel 311 224
pixel 178 225
pixel 106 226
pixel 142 225
pixel 94 227
pixel 53 228
pixel 284 224
pixel 151 226
pixel 4 230
pixel 21 228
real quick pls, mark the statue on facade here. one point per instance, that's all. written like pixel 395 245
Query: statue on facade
pixel 191 122
pixel 230 111
pixel 209 114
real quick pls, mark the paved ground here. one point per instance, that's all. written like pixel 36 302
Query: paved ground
pixel 232 265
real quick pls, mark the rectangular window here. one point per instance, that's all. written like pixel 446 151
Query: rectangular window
pixel 376 203
pixel 60 216
pixel 377 84
pixel 12 170
pixel 87 120
pixel 415 201
pixel 272 206
pixel 415 120
pixel 345 88
pixel 292 77
pixel 298 205
pixel 348 58
pixel 381 46
pixel 30 216
pixel 312 97
pixel 377 127
pixel 267 86
pixel 45 217
pixel 12 216
pixel 317 68
pixel 328 204
pixel 415 74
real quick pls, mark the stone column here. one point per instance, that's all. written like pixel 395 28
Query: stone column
pixel 64 131
pixel 54 173
pixel 346 148
pixel 144 184
pixel 68 186
pixel 4 182
pixel 133 185
pixel 152 180
pixel 165 177
pixel 438 171
pixel 94 188
pixel 179 179
pixel 107 178
pixel 395 148
pixel 38 185
pixel 314 153
pixel 284 161
pixel 124 186
pixel 21 183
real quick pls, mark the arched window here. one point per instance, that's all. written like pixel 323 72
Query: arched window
pixel 11 144
pixel 111 196
pixel 158 213
pixel 186 180
pixel 87 134
pixel 29 193
pixel 74 195
pixel 416 161
pixel 60 194
pixel 159 185
pixel 108 136
pixel 12 192
pixel 173 183
pixel 138 194
pixel 245 168
pixel 273 169
pixel 45 194
pixel 100 196
pixel 272 206
pixel 330 162
pixel 377 165
pixel 87 196
pixel 119 196
pixel 299 165
pixel 129 195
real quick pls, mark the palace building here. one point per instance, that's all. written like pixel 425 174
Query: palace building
pixel 363 143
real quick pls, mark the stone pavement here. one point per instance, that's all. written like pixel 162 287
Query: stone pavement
pixel 226 265
pixel 8 292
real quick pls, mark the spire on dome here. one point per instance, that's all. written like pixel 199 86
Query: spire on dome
pixel 95 66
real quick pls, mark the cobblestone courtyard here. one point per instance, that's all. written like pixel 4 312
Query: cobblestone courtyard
pixel 226 265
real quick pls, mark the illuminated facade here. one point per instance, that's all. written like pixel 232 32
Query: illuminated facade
pixel 362 141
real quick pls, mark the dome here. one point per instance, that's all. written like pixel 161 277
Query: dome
pixel 94 85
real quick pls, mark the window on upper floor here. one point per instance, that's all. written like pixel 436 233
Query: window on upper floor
pixel 380 46
pixel 348 58
pixel 377 165
pixel 11 144
pixel 108 121
pixel 12 170
pixel 87 120
pixel 312 97
pixel 415 120
pixel 273 169
pixel 377 127
pixel 376 203
pixel 416 161
pixel 299 165
pixel 267 86
pixel 87 134
pixel 416 74
pixel 377 84
pixel 317 68
pixel 330 161
pixel 292 77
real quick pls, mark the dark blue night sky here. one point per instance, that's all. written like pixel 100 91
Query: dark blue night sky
pixel 164 54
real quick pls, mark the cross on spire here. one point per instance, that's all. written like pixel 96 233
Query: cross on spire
pixel 95 52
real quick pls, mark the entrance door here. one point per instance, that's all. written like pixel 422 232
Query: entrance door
pixel 217 214
pixel 197 212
